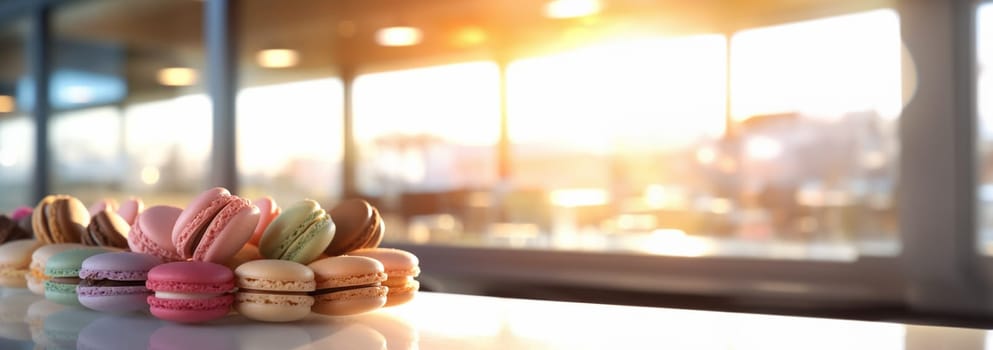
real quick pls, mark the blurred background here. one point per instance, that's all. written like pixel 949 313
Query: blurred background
pixel 741 155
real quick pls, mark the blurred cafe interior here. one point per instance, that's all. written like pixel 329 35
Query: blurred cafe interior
pixel 798 157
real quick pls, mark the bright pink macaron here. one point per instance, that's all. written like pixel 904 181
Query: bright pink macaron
pixel 115 282
pixel 214 226
pixel 190 291
pixel 21 212
pixel 152 232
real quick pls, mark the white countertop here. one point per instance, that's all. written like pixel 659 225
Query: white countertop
pixel 449 321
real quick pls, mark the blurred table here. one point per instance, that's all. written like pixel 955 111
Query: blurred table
pixel 448 321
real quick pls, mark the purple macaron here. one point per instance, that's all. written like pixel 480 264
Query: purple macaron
pixel 115 282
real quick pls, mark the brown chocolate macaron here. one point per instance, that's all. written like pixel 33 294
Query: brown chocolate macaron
pixel 60 219
pixel 11 231
pixel 358 225
pixel 107 229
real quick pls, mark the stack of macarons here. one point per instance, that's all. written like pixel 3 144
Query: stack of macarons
pixel 194 264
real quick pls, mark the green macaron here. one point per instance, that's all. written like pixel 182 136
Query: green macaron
pixel 64 270
pixel 300 233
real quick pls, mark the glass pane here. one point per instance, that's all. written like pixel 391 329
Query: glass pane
pixel 130 114
pixel 984 51
pixel 600 138
pixel 291 103
pixel 426 138
pixel 16 127
pixel 813 137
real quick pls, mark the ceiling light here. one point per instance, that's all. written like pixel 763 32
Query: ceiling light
pixel 177 76
pixel 398 36
pixel 278 58
pixel 469 36
pixel 571 8
pixel 6 104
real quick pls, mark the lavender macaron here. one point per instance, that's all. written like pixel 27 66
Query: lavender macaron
pixel 115 282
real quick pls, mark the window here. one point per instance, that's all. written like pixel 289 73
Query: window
pixel 984 52
pixel 16 128
pixel 129 113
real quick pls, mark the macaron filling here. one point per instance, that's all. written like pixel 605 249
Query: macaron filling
pixel 279 292
pixel 324 291
pixel 110 283
pixel 201 223
pixel 66 280
pixel 186 296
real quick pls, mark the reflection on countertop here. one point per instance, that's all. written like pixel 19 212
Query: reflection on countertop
pixel 448 321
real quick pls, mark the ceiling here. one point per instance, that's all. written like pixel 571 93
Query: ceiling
pixel 332 35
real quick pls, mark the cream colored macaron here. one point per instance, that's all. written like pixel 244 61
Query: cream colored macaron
pixel 274 290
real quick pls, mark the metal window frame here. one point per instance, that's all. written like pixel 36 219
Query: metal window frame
pixel 939 269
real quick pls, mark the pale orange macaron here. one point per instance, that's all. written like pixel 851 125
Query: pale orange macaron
pixel 348 285
pixel 401 267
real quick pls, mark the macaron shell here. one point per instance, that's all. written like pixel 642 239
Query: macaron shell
pixel 107 228
pixel 268 211
pixel 152 232
pixel 350 302
pixel 357 227
pixel 15 257
pixel 275 275
pixel 119 266
pixel 103 204
pixel 36 276
pixel 61 293
pixel 59 219
pixel 228 232
pixel 395 261
pixel 69 262
pixel 21 212
pixel 344 271
pixel 118 299
pixel 130 209
pixel 11 231
pixel 301 233
pixel 191 277
pixel 197 217
pixel 402 294
pixel 190 310
pixel 273 307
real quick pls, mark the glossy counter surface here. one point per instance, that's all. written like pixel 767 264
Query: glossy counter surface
pixel 447 321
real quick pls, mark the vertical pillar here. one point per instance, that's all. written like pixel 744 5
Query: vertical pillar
pixel 220 34
pixel 938 160
pixel 40 64
pixel 349 156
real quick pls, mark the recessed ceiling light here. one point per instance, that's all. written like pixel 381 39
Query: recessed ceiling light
pixel 398 36
pixel 6 104
pixel 469 36
pixel 177 76
pixel 571 8
pixel 277 58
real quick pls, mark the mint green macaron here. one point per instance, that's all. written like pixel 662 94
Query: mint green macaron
pixel 300 233
pixel 64 269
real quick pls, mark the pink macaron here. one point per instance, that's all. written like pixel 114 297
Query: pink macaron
pixel 268 211
pixel 152 232
pixel 190 291
pixel 214 226
pixel 21 212
pixel 130 209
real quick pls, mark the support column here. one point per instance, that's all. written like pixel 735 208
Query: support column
pixel 350 154
pixel 40 65
pixel 221 37
pixel 938 160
